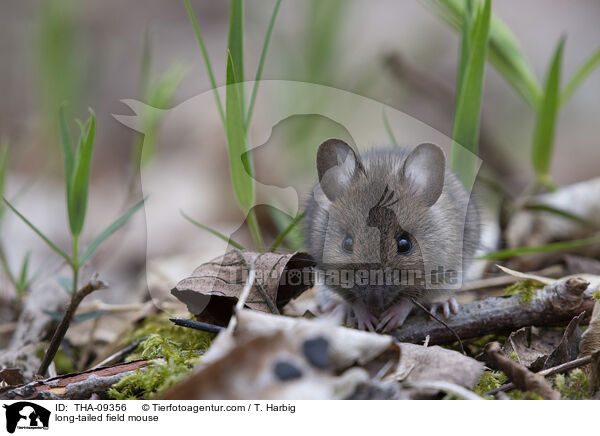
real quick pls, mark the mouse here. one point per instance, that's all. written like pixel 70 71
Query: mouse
pixel 388 227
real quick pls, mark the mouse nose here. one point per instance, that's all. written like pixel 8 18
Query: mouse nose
pixel 373 296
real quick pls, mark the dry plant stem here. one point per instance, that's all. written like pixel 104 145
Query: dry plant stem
pixel 62 328
pixel 520 375
pixel 555 305
pixel 564 367
pixel 420 306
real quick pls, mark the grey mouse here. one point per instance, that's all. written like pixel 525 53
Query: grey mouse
pixel 389 226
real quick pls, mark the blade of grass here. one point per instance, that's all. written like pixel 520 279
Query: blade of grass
pixel 555 246
pixel 545 123
pixel 465 30
pixel 279 239
pixel 209 70
pixel 235 46
pixel 78 195
pixel 388 128
pixel 261 64
pixel 585 70
pixel 212 231
pixel 24 272
pixel 239 161
pixel 561 212
pixel 116 225
pixel 39 233
pixel 504 51
pixel 67 148
pixel 466 120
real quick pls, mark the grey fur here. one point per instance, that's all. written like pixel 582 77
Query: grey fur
pixel 381 197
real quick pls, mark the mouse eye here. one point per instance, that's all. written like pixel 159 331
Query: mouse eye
pixel 403 243
pixel 348 244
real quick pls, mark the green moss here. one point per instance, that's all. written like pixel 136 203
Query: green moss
pixel 596 295
pixel 175 351
pixel 527 288
pixel 573 386
pixel 489 380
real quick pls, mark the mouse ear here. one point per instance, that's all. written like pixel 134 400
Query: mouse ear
pixel 337 164
pixel 423 171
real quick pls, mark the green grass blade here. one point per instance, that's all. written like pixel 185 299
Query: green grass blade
pixel 116 225
pixel 235 45
pixel 78 195
pixel 261 63
pixel 39 233
pixel 212 231
pixel 561 212
pixel 585 70
pixel 67 149
pixel 465 134
pixel 209 70
pixel 504 51
pixel 555 246
pixel 24 273
pixel 279 239
pixel 545 123
pixel 3 171
pixel 388 128
pixel 239 161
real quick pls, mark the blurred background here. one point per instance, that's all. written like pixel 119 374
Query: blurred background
pixel 94 54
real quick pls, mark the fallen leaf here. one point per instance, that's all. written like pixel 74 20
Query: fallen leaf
pixel 419 363
pixel 212 290
pixel 568 348
pixel 519 374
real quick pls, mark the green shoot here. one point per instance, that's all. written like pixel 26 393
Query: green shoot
pixel 388 128
pixel 116 225
pixel 281 236
pixel 465 134
pixel 555 246
pixel 545 123
pixel 560 212
pixel 77 176
pixel 236 120
pixel 504 51
pixel 585 70
pixel 261 63
pixel 209 70
pixel 212 231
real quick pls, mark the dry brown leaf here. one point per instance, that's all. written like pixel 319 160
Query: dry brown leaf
pixel 419 363
pixel 212 290
pixel 518 374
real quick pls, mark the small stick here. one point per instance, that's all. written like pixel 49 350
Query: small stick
pixel 563 367
pixel 62 328
pixel 521 376
pixel 197 325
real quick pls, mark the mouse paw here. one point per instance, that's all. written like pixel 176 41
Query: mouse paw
pixel 360 317
pixel 394 316
pixel 450 305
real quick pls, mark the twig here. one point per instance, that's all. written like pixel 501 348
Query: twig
pixel 197 325
pixel 563 367
pixel 555 305
pixel 519 374
pixel 62 328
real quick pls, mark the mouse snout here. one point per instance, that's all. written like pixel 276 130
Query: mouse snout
pixel 373 296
